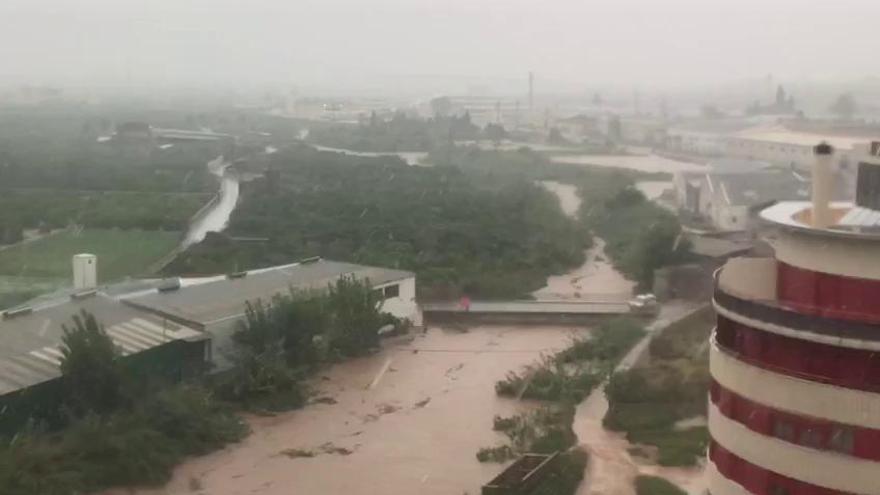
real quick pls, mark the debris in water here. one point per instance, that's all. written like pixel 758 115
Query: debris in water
pixel 454 369
pixel 387 409
pixel 329 448
pixel 297 453
pixel 195 484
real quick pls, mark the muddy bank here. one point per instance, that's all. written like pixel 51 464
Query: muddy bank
pixel 407 420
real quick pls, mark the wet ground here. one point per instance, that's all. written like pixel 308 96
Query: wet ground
pixel 408 420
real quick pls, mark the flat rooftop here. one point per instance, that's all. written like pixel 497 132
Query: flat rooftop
pixel 850 220
pixel 215 299
pixel 30 342
pixel 782 135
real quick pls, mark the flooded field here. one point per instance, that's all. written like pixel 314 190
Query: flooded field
pixel 407 420
pixel 642 163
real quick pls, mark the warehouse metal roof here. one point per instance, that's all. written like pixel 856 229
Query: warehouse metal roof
pixel 30 340
pixel 215 299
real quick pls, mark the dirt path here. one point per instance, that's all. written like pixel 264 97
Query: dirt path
pixel 408 420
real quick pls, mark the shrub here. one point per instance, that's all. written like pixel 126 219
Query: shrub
pixel 90 367
pixel 130 447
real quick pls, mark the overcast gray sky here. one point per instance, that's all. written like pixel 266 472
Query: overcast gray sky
pixel 642 42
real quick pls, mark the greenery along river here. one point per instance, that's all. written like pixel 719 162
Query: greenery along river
pixel 462 232
pixel 475 223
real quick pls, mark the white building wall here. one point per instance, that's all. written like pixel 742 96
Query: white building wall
pixel 404 305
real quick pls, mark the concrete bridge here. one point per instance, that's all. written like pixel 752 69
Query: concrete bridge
pixel 525 311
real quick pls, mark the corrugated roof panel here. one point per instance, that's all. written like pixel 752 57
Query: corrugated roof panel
pixel 132 337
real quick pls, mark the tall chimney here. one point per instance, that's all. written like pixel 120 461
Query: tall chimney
pixel 821 216
pixel 85 271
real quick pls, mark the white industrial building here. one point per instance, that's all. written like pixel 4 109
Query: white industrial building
pixel 782 146
pixel 727 195
pixel 705 137
pixel 212 307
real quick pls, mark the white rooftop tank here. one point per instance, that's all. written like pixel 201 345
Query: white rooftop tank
pixel 85 271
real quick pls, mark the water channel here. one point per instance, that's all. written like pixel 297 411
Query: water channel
pixel 217 216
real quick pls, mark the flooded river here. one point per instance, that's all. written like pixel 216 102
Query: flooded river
pixel 408 420
pixel 611 470
pixel 217 217
pixel 596 279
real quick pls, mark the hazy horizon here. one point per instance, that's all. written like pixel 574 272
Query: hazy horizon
pixel 413 43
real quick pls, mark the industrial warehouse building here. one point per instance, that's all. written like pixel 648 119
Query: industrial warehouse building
pixel 795 392
pixel 164 328
pixel 216 305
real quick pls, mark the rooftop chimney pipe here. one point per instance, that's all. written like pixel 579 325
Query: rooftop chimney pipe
pixel 821 214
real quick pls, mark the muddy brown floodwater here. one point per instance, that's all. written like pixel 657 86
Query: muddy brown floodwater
pixel 612 469
pixel 596 279
pixel 408 420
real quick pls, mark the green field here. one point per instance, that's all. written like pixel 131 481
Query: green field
pixel 120 253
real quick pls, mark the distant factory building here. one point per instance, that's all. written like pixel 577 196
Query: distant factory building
pixel 731 192
pixel 704 137
pixel 792 148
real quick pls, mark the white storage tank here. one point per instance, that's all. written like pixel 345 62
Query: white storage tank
pixel 85 271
